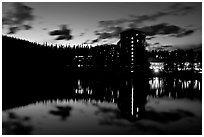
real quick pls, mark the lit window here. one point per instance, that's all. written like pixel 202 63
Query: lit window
pixel 132 45
pixel 132 52
pixel 132 55
pixel 136 34
pixel 132 41
pixel 137 40
pixel 132 38
pixel 132 48
pixel 137 109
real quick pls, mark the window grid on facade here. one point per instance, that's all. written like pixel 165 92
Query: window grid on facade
pixel 131 40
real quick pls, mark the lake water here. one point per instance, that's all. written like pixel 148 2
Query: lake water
pixel 158 105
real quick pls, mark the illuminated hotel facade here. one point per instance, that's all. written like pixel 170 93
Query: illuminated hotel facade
pixel 132 50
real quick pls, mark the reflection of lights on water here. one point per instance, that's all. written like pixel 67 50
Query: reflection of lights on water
pixel 156 83
pixel 157 91
pixel 185 84
pixel 113 100
pixel 197 85
pixel 174 83
pixel 157 86
pixel 169 94
pixel 89 91
pixel 81 90
pixel 118 94
pixel 126 83
pixel 132 100
pixel 67 101
pixel 161 91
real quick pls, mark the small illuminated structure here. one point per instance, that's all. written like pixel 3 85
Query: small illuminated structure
pixel 157 66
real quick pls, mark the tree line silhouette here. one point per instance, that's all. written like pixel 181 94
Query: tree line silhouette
pixel 23 55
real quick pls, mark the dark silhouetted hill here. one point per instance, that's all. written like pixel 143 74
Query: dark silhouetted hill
pixel 31 68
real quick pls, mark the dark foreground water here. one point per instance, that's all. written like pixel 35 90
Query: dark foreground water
pixel 129 106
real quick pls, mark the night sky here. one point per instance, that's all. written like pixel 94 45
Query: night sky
pixel 167 25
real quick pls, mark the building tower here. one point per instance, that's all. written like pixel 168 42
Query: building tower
pixel 132 51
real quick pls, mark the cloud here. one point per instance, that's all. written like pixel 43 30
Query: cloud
pixel 175 9
pixel 167 46
pixel 86 42
pixel 185 33
pixel 157 43
pixel 158 46
pixel 162 28
pixel 149 37
pixel 63 33
pixel 18 17
pixel 91 41
pixel 113 31
pixel 112 28
pixel 94 41
pixel 12 30
pixel 112 23
pixel 27 27
pixel 180 9
pixel 195 47
pixel 109 32
pixel 166 29
pixel 81 34
pixel 142 18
